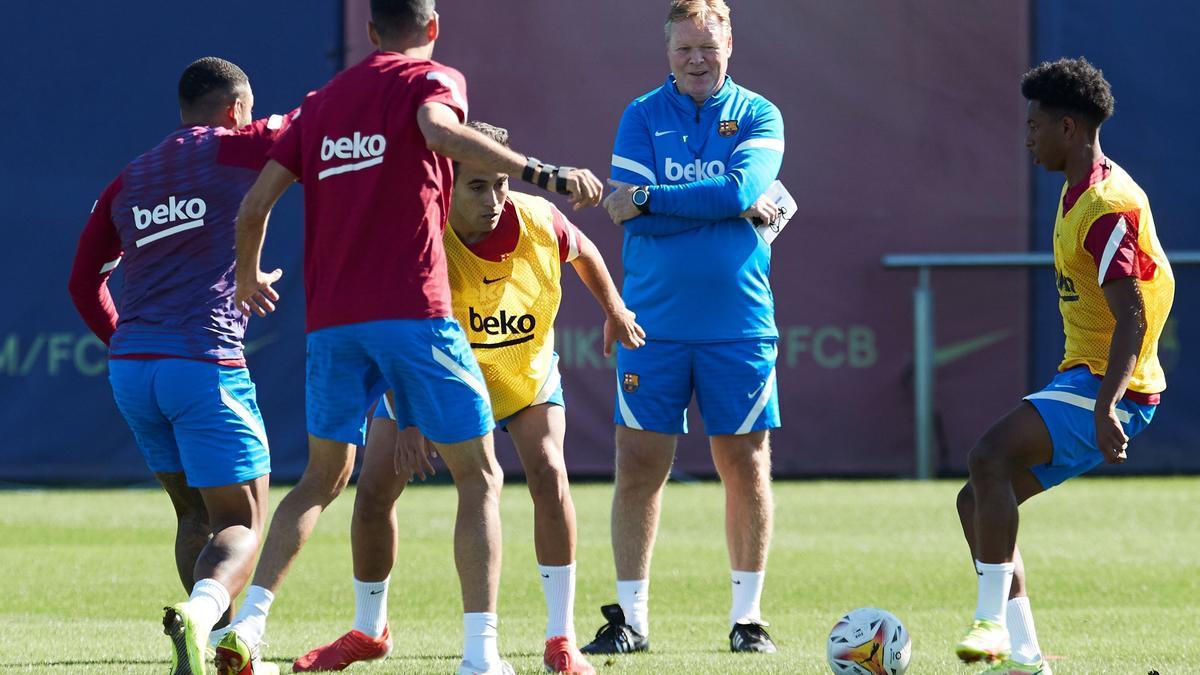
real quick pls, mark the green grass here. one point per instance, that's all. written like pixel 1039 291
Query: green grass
pixel 1114 576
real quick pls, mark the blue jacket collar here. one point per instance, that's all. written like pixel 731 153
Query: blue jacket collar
pixel 684 101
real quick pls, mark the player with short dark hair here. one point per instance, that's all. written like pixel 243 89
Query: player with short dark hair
pixel 1115 288
pixel 210 84
pixel 373 149
pixel 176 363
pixel 504 251
pixel 399 19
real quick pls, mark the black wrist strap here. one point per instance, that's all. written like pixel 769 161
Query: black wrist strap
pixel 560 179
pixel 533 166
pixel 546 172
pixel 541 174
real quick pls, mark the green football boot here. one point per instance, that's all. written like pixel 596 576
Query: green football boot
pixel 188 641
pixel 235 657
pixel 985 641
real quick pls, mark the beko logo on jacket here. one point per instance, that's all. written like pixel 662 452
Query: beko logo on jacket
pixel 186 213
pixel 367 148
pixel 694 171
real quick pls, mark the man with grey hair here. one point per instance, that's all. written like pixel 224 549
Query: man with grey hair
pixel 691 163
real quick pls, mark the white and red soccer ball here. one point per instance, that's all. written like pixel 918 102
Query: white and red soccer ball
pixel 869 641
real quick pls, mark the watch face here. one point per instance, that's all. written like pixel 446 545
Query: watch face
pixel 640 197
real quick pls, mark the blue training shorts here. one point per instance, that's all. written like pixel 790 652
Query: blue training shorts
pixel 1067 407
pixel 194 417
pixel 426 362
pixel 734 383
pixel 552 394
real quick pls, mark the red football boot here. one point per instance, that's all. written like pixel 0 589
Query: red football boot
pixel 351 647
pixel 562 656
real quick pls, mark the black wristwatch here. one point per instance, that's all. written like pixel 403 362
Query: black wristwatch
pixel 641 199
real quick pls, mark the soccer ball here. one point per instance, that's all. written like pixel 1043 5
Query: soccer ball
pixel 869 641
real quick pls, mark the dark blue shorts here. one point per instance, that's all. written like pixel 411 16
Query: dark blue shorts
pixel 734 384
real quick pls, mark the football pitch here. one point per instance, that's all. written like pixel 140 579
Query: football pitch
pixel 1114 578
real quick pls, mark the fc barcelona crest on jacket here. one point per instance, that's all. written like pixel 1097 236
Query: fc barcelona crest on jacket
pixel 727 128
pixel 630 383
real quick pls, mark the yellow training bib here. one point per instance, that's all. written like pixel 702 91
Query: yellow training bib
pixel 1087 321
pixel 508 308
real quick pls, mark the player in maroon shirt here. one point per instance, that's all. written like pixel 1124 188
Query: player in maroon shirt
pixel 176 363
pixel 373 149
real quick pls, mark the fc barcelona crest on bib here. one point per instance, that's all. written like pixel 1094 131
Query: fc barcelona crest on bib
pixel 727 128
pixel 630 383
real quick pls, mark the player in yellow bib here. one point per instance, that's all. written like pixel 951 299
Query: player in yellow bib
pixel 1115 289
pixel 504 253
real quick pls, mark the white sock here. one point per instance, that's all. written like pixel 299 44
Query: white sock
pixel 558 585
pixel 479 639
pixel 370 606
pixel 747 594
pixel 995 580
pixel 634 598
pixel 208 601
pixel 1025 647
pixel 251 620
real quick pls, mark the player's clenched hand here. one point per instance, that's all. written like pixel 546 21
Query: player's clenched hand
pixel 257 295
pixel 1110 437
pixel 762 212
pixel 584 188
pixel 620 204
pixel 620 325
pixel 413 451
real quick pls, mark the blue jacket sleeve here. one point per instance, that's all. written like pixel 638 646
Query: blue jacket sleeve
pixel 633 162
pixel 753 165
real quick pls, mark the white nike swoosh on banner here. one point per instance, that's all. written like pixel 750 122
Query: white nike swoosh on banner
pixel 664 133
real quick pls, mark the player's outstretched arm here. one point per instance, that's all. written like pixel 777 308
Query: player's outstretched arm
pixel 619 323
pixel 254 292
pixel 445 135
pixel 1124 298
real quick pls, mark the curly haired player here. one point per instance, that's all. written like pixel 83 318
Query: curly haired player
pixel 1115 289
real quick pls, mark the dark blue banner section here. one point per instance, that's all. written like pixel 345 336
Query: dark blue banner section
pixel 90 86
pixel 1150 55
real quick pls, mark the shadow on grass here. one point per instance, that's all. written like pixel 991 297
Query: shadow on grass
pixel 397 658
pixel 88 662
